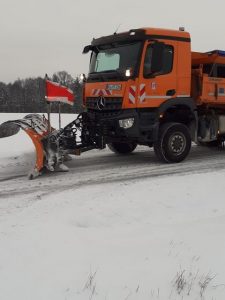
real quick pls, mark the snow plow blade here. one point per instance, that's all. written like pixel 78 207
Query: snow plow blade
pixel 52 146
pixel 36 126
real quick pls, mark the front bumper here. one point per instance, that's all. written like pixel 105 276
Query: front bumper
pixel 106 125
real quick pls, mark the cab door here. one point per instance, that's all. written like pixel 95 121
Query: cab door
pixel 157 86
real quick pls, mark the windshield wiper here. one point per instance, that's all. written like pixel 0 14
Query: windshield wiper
pixel 108 74
pixel 98 75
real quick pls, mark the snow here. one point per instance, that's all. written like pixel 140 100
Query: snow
pixel 112 227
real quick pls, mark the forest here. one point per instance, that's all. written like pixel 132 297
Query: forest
pixel 28 95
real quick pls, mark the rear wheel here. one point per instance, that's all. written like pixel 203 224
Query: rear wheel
pixel 122 148
pixel 174 142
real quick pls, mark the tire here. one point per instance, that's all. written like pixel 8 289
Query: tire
pixel 122 148
pixel 174 143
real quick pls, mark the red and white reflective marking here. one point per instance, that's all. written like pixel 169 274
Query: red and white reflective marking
pixel 132 94
pixel 142 93
pixel 101 92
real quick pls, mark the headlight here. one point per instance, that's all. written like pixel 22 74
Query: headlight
pixel 126 123
pixel 129 72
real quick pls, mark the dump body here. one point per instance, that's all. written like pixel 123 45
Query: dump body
pixel 208 82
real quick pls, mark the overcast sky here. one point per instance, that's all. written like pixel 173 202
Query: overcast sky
pixel 45 36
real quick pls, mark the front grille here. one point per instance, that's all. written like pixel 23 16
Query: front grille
pixel 103 114
pixel 110 103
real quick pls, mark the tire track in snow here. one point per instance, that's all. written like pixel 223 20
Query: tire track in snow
pixel 11 177
pixel 102 168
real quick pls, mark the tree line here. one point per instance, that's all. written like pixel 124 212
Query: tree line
pixel 28 95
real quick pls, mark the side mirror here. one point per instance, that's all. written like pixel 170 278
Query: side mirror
pixel 82 78
pixel 157 57
pixel 87 49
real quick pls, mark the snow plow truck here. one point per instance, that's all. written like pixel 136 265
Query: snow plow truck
pixel 144 87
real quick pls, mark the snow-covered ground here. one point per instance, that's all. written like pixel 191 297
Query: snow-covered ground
pixel 113 227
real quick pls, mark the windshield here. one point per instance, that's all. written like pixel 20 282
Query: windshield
pixel 115 58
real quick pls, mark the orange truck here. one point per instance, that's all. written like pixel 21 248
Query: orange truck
pixel 144 87
pixel 147 87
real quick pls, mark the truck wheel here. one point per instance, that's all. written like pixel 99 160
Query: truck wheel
pixel 174 142
pixel 122 148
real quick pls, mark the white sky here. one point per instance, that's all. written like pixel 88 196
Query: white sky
pixel 45 36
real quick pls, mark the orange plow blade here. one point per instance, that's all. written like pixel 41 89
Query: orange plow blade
pixel 36 126
pixel 36 139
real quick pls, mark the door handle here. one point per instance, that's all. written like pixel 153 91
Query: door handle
pixel 171 92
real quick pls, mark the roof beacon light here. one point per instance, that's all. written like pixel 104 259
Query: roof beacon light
pixel 181 28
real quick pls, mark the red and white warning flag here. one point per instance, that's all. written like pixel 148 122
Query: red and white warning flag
pixel 58 93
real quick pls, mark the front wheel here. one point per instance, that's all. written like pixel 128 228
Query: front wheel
pixel 174 142
pixel 122 148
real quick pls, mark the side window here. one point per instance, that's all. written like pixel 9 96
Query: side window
pixel 221 71
pixel 167 60
pixel 210 70
pixel 148 61
pixel 214 70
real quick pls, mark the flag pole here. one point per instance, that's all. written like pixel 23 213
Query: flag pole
pixel 59 115
pixel 49 117
pixel 48 105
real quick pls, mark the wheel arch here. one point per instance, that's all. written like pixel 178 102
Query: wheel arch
pixel 180 110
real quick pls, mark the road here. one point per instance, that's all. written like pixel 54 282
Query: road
pixel 99 167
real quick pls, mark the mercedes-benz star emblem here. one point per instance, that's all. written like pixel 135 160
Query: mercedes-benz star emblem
pixel 101 103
